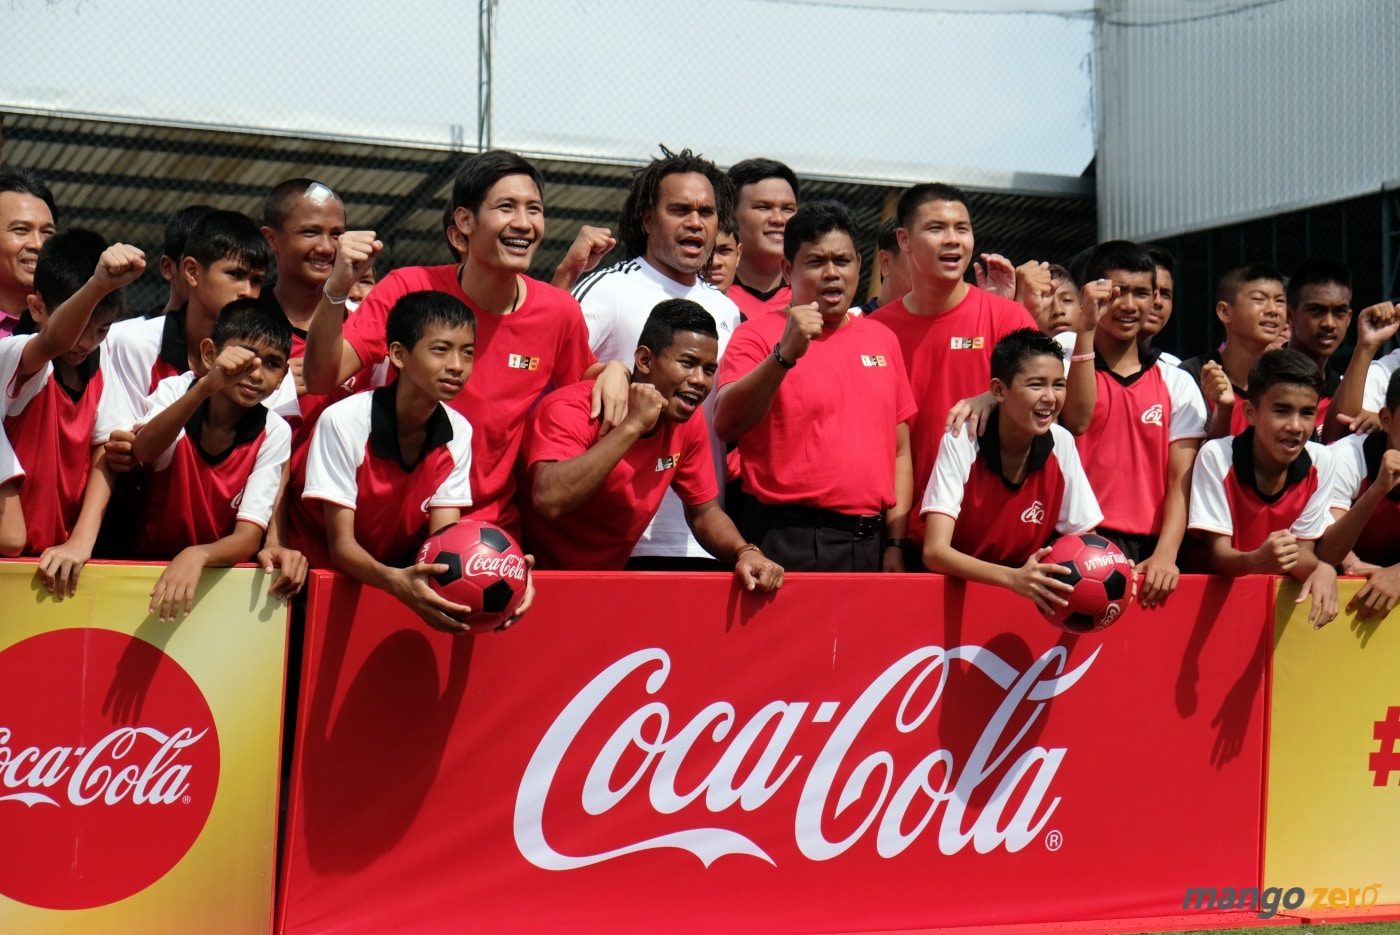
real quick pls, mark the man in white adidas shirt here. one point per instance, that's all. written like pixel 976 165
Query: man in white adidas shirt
pixel 668 228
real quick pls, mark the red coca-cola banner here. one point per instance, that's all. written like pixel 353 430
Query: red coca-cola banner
pixel 653 753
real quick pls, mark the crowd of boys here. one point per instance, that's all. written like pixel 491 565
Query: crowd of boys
pixel 714 399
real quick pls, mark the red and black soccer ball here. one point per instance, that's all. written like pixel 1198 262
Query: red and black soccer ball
pixel 1102 578
pixel 486 571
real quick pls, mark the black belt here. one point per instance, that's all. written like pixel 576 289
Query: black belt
pixel 795 514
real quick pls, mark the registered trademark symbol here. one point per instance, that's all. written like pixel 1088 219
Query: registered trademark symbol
pixel 1054 841
pixel 186 800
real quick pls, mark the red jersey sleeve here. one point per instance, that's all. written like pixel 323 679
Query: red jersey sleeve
pixel 364 330
pixel 561 428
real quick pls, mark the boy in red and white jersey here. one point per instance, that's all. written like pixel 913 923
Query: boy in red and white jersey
pixel 226 258
pixel 12 532
pixel 1252 304
pixel 1261 499
pixel 59 403
pixel 946 327
pixel 217 459
pixel 530 335
pixel 1366 509
pixel 1145 425
pixel 1014 488
pixel 388 466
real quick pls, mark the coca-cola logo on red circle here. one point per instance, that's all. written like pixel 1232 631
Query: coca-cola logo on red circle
pixel 109 762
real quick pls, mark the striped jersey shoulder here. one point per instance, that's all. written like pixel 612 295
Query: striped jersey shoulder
pixel 617 270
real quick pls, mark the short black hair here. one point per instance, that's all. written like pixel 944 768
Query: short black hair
pixel 228 235
pixel 25 182
pixel 887 237
pixel 1122 255
pixel 414 312
pixel 916 196
pixel 729 224
pixel 282 200
pixel 178 227
pixel 1228 289
pixel 66 262
pixel 1316 271
pixel 1015 348
pixel 65 265
pixel 646 186
pixel 813 221
pixel 1282 366
pixel 749 171
pixel 1063 276
pixel 250 320
pixel 477 175
pixel 1164 259
pixel 672 317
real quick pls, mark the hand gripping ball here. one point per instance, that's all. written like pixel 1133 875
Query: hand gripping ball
pixel 485 571
pixel 1102 578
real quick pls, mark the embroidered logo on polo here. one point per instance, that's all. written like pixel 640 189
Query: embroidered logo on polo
pixel 1153 415
pixel 967 344
pixel 873 360
pixel 1035 513
pixel 521 362
pixel 668 462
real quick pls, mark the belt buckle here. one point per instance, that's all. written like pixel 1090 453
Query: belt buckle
pixel 867 525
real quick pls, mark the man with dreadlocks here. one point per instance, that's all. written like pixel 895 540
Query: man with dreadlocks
pixel 668 228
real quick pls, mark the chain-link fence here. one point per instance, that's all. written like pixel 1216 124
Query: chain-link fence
pixel 860 97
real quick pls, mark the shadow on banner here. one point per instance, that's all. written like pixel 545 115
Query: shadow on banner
pixel 652 752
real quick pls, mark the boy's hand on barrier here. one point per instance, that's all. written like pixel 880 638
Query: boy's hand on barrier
pixel 59 567
pixel 1033 580
pixel 1378 595
pixel 176 586
pixel 1159 580
pixel 410 586
pixel 294 568
pixel 1321 586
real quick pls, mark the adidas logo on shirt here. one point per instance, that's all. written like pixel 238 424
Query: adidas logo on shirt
pixel 1035 513
pixel 1153 415
pixel 521 362
pixel 967 344
pixel 668 462
pixel 873 360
